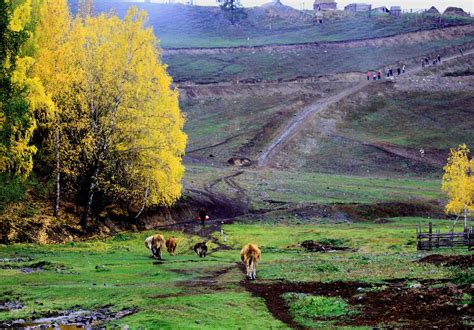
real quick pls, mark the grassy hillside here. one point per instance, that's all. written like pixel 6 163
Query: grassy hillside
pixel 381 131
pixel 196 26
pixel 238 120
pixel 264 186
pixel 282 65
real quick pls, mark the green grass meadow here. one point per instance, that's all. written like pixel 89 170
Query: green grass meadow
pixel 118 272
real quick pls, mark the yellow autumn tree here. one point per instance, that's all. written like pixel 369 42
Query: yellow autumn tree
pixel 137 138
pixel 22 95
pixel 458 182
pixel 117 127
pixel 58 67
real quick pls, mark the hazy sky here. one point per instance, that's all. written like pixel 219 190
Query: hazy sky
pixel 467 5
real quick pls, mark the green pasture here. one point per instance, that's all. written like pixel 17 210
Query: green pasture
pixel 118 272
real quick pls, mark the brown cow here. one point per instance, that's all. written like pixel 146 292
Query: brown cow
pixel 250 256
pixel 171 245
pixel 156 244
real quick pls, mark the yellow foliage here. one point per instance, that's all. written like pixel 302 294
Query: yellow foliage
pixel 458 181
pixel 114 104
pixel 21 16
pixel 16 156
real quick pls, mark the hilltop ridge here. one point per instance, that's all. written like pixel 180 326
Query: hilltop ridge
pixel 181 26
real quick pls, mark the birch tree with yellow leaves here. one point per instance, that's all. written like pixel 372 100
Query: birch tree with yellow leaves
pixel 116 112
pixel 458 183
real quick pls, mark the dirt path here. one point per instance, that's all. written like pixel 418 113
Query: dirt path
pixel 295 125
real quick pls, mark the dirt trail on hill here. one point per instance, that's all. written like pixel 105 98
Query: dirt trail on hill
pixel 294 126
pixel 405 38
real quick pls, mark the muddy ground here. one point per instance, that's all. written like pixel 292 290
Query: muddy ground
pixel 462 262
pixel 392 305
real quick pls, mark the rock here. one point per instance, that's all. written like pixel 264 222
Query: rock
pixel 242 162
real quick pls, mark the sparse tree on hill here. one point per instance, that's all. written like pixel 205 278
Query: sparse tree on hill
pixel 458 182
pixel 233 10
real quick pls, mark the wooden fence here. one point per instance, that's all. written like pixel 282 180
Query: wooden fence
pixel 430 240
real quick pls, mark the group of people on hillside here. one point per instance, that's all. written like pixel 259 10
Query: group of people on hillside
pixel 377 75
pixel 426 61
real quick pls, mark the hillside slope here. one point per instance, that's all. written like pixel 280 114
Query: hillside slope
pixel 196 26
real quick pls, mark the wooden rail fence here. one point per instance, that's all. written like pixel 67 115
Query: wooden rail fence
pixel 430 240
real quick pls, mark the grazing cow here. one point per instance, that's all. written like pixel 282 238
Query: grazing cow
pixel 156 244
pixel 250 256
pixel 201 249
pixel 171 245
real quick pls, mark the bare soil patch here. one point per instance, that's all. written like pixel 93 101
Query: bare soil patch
pixel 272 293
pixel 312 246
pixel 417 307
pixel 393 306
pixel 462 262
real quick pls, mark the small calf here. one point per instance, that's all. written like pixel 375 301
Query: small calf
pixel 171 245
pixel 156 244
pixel 201 249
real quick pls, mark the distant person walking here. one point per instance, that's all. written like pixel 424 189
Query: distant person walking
pixel 427 61
pixel 379 75
pixel 375 76
pixel 404 68
pixel 369 74
pixel 390 72
pixel 203 215
pixel 439 58
pixel 399 71
pixel 461 51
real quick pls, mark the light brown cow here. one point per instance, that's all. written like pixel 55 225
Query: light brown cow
pixel 156 244
pixel 250 256
pixel 171 245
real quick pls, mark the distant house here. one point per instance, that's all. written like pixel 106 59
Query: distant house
pixel 382 10
pixel 358 8
pixel 433 11
pixel 395 11
pixel 322 5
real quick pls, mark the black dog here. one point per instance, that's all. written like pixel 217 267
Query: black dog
pixel 201 249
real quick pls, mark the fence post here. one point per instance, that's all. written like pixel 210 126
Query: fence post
pixel 437 238
pixel 418 239
pixel 470 236
pixel 430 233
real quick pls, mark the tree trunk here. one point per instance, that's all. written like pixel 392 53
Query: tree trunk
pixel 90 196
pixel 58 176
pixel 144 199
pixel 465 218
